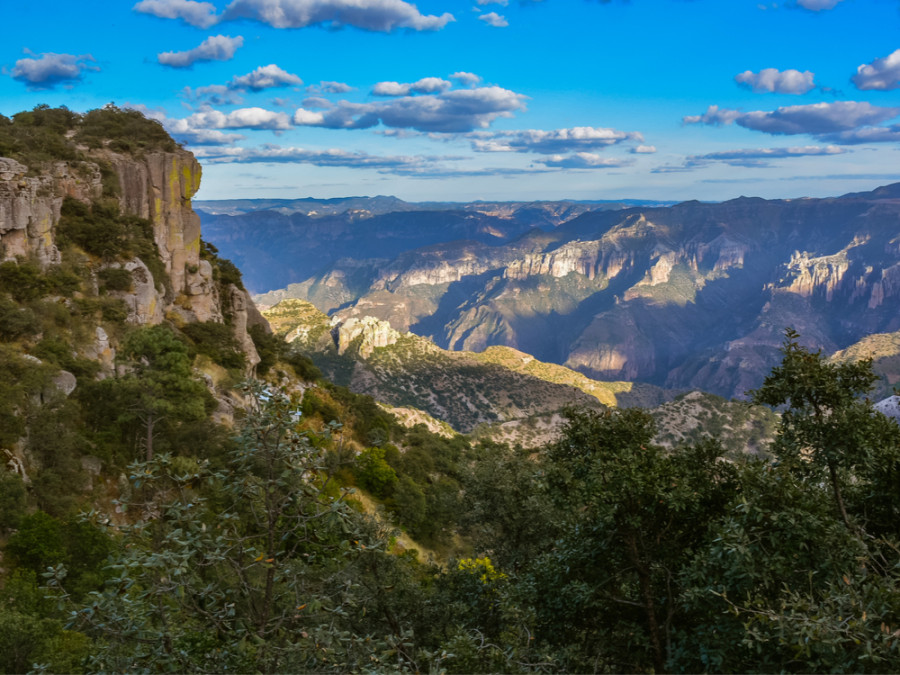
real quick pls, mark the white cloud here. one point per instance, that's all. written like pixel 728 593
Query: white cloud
pixel 773 153
pixel 293 155
pixel 390 89
pixel 713 116
pixel 889 134
pixel 494 19
pixel 456 111
pixel 466 79
pixel 214 94
pixel 882 74
pixel 504 3
pixel 750 158
pixel 303 117
pixel 317 103
pixel 817 119
pixel 374 15
pixel 328 87
pixel 206 137
pixel 214 48
pixel 200 14
pixel 243 118
pixel 49 69
pixel 552 142
pixel 777 81
pixel 583 160
pixel 644 150
pixel 427 85
pixel 817 5
pixel 265 77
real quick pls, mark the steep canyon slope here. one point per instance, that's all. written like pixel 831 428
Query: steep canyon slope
pixel 155 185
pixel 695 295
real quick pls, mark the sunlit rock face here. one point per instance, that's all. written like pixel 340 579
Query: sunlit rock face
pixel 694 295
pixel 157 186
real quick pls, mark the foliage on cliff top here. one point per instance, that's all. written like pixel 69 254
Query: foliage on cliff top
pixel 46 134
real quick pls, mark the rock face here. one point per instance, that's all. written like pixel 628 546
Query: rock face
pixel 370 333
pixel 157 186
pixel 29 206
pixel 689 296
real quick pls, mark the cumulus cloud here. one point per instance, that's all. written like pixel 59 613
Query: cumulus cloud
pixel 425 167
pixel 882 74
pixel 554 141
pixel 818 5
pixel 816 119
pixel 47 70
pixel 427 85
pixel 494 19
pixel 317 103
pixel 751 158
pixel 731 156
pixel 584 160
pixel 205 137
pixel 327 87
pixel 243 118
pixel 200 14
pixel 890 134
pixel 714 116
pixel 643 150
pixel 215 94
pixel 214 48
pixel 454 111
pixel 293 155
pixel 466 79
pixel 772 80
pixel 265 77
pixel 374 15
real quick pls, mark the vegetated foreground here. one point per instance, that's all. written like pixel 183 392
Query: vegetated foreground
pixel 161 511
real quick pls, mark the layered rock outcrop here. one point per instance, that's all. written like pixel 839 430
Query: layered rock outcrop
pixel 157 186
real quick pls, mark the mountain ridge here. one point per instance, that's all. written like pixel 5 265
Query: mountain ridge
pixel 694 295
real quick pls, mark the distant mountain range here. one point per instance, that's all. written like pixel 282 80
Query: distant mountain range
pixel 276 242
pixel 690 296
pixel 500 393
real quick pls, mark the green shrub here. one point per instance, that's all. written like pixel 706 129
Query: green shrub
pixel 270 347
pixel 374 474
pixel 97 228
pixel 23 280
pixel 16 321
pixel 59 352
pixel 225 272
pixel 315 403
pixel 12 500
pixel 115 279
pixel 217 341
pixel 303 366
pixel 123 130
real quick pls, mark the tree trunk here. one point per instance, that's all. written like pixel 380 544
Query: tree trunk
pixel 659 654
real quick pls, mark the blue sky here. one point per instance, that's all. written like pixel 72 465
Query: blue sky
pixel 486 99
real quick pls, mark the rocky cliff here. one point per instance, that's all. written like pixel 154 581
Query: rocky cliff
pixel 689 296
pixel 156 186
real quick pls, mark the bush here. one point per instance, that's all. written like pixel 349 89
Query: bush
pixel 124 130
pixel 15 321
pixel 303 366
pixel 217 341
pixel 97 229
pixel 12 501
pixel 374 474
pixel 269 347
pixel 23 280
pixel 115 279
